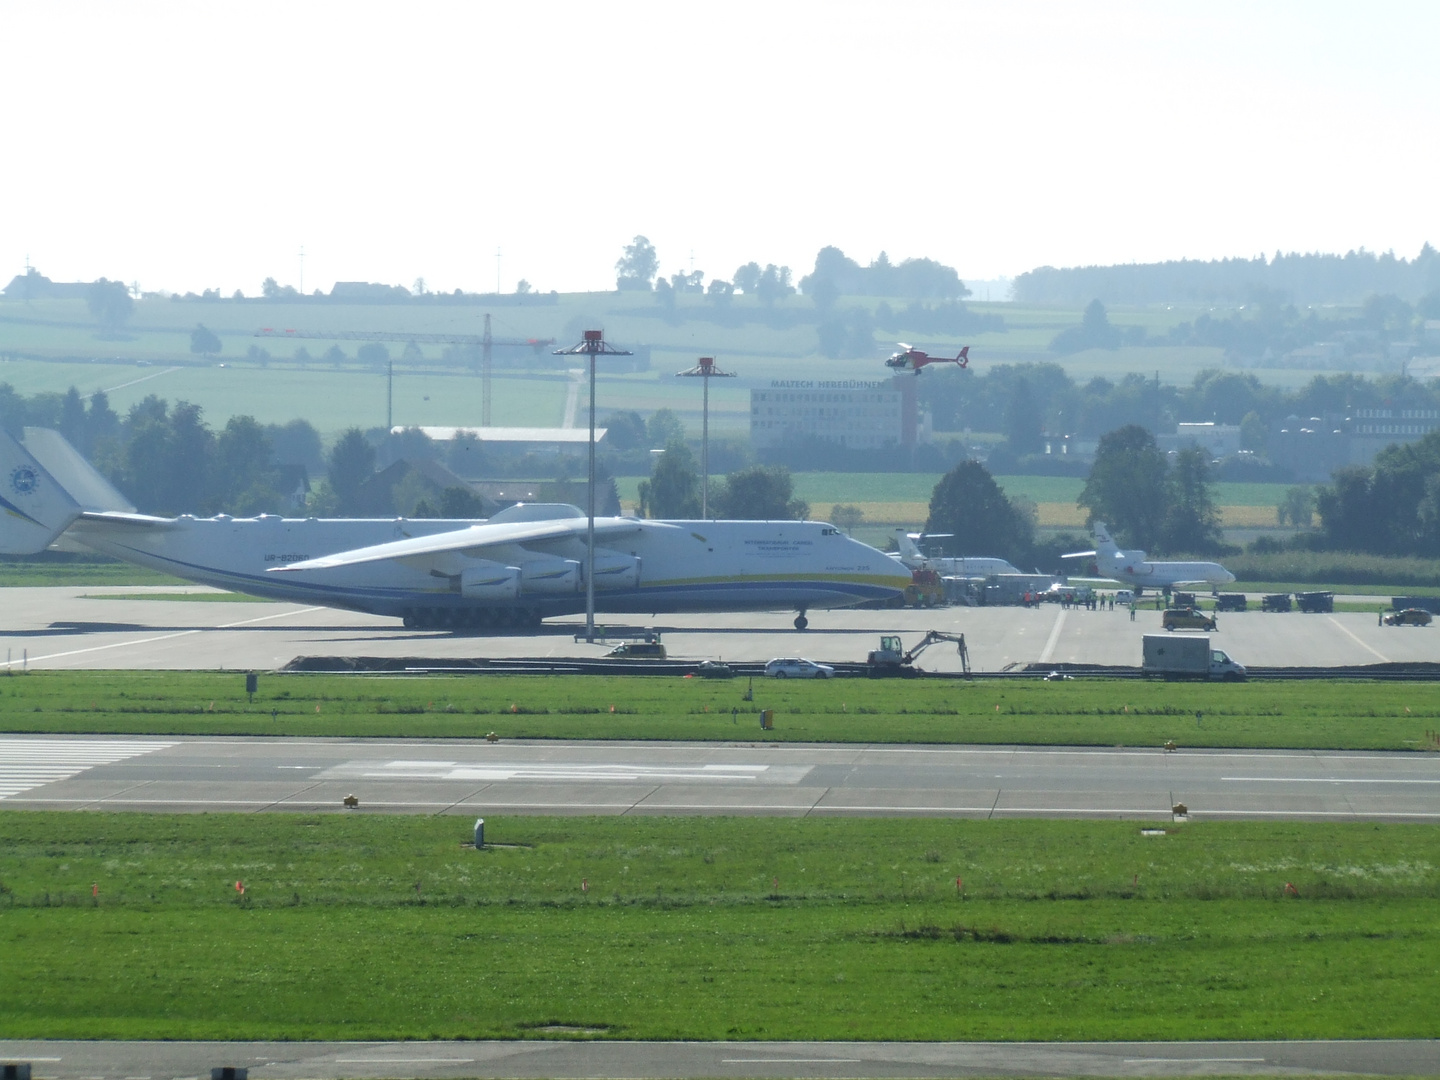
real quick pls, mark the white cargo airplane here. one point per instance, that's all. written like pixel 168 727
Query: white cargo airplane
pixel 1133 568
pixel 514 569
pixel 978 566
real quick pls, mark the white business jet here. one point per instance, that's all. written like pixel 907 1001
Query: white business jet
pixel 514 569
pixel 977 566
pixel 1134 569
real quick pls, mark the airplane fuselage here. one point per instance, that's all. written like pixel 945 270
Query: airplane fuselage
pixel 1145 574
pixel 664 566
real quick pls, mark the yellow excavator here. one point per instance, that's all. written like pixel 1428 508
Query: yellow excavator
pixel 892 660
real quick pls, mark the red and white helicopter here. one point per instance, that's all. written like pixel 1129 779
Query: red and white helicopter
pixel 913 359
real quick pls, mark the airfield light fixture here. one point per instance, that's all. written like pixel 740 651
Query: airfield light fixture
pixel 705 369
pixel 593 344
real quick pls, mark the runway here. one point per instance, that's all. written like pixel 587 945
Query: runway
pixel 78 628
pixel 476 778
pixel 583 1060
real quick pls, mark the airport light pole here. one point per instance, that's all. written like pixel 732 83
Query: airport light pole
pixel 592 345
pixel 705 369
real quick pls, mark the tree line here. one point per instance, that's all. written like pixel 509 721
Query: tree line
pixel 1310 278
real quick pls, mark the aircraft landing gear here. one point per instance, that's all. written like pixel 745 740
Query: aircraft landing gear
pixel 801 622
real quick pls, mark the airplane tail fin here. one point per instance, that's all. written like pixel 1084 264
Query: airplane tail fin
pixel 1103 542
pixel 34 507
pixel 906 543
pixel 964 357
pixel 72 472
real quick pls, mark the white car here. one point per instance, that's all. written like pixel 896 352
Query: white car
pixel 796 668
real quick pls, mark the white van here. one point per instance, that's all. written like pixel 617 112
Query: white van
pixel 1124 598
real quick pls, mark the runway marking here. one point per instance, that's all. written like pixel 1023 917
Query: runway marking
pixel 790 1061
pixel 1320 780
pixel 1191 1061
pixel 162 637
pixel 1054 637
pixel 450 770
pixel 1348 633
pixel 32 763
pixel 404 1061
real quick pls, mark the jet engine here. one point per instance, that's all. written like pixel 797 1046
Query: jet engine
pixel 490 581
pixel 550 576
pixel 616 571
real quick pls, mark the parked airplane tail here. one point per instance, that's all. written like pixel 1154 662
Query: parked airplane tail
pixel 34 507
pixel 1103 542
pixel 73 473
pixel 905 541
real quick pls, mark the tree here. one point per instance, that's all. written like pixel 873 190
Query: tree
pixel 1297 508
pixel 1024 422
pixel 719 292
pixel 460 502
pixel 203 341
pixel 846 516
pixel 1127 487
pixel 242 472
pixel 773 284
pixel 373 354
pixel 759 493
pixel 673 490
pixel 1094 332
pixel 351 463
pixel 271 290
pixel 1191 521
pixel 968 504
pixel 747 277
pixel 636 269
pixel 109 303
pixel 665 427
pixel 625 431
pixel 1253 432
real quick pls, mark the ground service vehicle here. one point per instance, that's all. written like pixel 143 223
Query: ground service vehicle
pixel 1275 602
pixel 1187 618
pixel 1409 617
pixel 797 668
pixel 925 589
pixel 1315 602
pixel 1182 599
pixel 638 650
pixel 890 659
pixel 1231 601
pixel 1188 658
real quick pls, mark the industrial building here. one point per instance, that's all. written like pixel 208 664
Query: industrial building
pixel 854 413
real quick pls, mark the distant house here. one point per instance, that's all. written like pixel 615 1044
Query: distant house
pixel 1217 440
pixel 524 440
pixel 368 292
pixel 396 488
pixel 34 285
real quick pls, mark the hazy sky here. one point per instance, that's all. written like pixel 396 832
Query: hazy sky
pixel 192 145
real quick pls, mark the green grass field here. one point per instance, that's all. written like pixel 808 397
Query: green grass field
pixel 14 574
pixel 362 927
pixel 1330 714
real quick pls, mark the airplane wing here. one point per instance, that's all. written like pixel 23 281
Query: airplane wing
pixel 472 538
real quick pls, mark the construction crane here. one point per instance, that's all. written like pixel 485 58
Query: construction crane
pixel 890 659
pixel 485 341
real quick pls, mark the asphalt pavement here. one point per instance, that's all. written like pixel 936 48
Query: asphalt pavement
pixel 602 1059
pixel 73 628
pixel 475 777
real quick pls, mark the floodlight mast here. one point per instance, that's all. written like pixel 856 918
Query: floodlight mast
pixel 705 369
pixel 592 345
